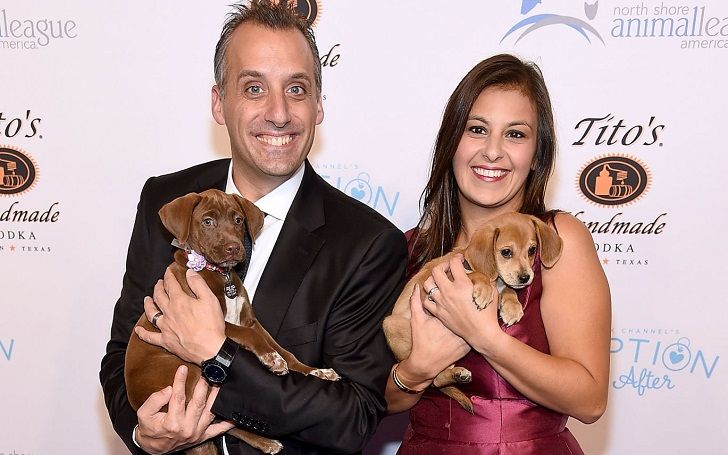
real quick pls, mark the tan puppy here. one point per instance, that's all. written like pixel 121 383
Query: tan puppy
pixel 503 252
pixel 209 228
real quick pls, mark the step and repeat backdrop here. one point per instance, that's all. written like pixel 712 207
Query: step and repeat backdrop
pixel 95 97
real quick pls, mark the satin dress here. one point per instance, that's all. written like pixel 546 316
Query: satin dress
pixel 505 422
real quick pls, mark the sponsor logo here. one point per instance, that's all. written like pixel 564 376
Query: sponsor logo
pixel 331 57
pixel 23 241
pixel 6 349
pixel 622 250
pixel 18 171
pixel 357 183
pixel 692 26
pixel 22 33
pixel 613 180
pixel 308 9
pixel 18 174
pixel 27 128
pixel 542 19
pixel 658 360
pixel 603 131
pixel 617 225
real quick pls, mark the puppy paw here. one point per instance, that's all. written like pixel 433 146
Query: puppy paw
pixel 275 363
pixel 326 373
pixel 510 314
pixel 271 446
pixel 461 375
pixel 482 296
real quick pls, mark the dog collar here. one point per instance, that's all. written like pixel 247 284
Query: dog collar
pixel 197 262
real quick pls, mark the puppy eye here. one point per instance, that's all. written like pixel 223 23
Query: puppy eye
pixel 506 253
pixel 207 221
pixel 532 250
pixel 238 220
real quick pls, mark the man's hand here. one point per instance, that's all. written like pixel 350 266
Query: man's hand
pixel 182 425
pixel 192 328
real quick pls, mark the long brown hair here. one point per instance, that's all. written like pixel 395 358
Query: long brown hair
pixel 441 220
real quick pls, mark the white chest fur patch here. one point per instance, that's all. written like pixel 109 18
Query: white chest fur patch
pixel 499 283
pixel 233 310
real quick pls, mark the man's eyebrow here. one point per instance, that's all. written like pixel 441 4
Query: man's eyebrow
pixel 249 74
pixel 252 74
pixel 301 76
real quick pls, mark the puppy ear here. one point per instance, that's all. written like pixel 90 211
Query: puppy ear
pixel 253 216
pixel 480 252
pixel 176 216
pixel 549 242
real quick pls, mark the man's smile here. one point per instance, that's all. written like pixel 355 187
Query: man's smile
pixel 277 141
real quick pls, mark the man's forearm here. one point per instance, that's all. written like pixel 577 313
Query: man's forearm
pixel 340 416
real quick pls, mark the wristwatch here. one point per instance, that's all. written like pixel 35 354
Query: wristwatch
pixel 216 370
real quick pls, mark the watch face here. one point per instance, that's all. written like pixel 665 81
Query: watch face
pixel 214 373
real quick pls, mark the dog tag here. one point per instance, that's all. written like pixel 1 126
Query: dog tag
pixel 230 290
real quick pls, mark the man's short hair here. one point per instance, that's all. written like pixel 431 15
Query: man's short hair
pixel 270 14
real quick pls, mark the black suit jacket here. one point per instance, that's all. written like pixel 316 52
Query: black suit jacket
pixel 334 274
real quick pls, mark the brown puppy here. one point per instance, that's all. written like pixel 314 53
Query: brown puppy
pixel 502 252
pixel 209 228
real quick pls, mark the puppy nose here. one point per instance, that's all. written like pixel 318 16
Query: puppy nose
pixel 523 278
pixel 232 248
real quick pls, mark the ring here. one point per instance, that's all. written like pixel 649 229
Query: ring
pixel 155 318
pixel 429 293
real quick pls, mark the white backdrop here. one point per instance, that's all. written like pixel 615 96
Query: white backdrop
pixel 101 95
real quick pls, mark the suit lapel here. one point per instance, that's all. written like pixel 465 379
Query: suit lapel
pixel 293 253
pixel 214 176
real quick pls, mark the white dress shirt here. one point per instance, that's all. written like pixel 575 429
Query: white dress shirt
pixel 275 205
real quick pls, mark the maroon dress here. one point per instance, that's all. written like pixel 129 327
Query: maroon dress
pixel 505 422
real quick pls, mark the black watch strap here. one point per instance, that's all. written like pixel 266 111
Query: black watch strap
pixel 227 351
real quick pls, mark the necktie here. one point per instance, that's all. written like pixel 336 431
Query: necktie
pixel 242 268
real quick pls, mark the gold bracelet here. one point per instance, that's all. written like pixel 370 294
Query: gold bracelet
pixel 401 386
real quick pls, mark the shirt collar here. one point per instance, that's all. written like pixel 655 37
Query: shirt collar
pixel 277 202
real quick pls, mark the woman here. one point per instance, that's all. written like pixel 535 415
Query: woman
pixel 494 153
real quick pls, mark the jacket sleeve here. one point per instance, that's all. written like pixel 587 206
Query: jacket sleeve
pixel 141 273
pixel 335 416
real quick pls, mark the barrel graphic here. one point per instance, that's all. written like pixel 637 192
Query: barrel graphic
pixel 613 180
pixel 17 171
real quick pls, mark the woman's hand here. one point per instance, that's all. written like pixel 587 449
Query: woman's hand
pixel 451 302
pixel 434 346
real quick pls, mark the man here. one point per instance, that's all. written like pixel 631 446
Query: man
pixel 324 271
